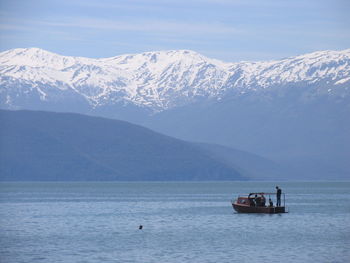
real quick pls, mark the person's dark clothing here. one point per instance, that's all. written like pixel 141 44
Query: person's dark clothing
pixel 279 193
pixel 257 201
pixel 252 203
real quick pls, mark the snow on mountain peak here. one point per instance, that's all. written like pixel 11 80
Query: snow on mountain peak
pixel 162 79
pixel 35 57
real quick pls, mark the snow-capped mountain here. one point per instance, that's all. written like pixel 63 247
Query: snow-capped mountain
pixel 294 111
pixel 161 80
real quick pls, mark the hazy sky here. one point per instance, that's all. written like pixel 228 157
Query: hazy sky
pixel 230 30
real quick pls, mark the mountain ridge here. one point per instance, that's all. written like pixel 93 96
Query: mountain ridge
pixel 38 145
pixel 162 80
pixel 294 110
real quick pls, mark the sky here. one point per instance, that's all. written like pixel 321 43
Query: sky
pixel 229 30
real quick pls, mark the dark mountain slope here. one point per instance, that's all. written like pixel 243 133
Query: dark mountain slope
pixel 62 146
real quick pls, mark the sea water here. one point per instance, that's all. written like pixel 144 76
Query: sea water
pixel 182 222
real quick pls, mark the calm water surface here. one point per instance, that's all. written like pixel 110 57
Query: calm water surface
pixel 183 222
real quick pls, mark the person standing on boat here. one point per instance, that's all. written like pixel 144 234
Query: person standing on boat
pixel 278 194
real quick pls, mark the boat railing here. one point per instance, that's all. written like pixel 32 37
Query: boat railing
pixel 265 194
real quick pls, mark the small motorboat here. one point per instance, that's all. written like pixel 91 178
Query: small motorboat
pixel 256 203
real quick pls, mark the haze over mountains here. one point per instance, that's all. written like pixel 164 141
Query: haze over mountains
pixel 294 111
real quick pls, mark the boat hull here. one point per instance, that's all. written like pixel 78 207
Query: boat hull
pixel 262 209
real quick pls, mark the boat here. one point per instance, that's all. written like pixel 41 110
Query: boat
pixel 256 203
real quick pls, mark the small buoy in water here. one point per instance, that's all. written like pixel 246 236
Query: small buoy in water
pixel 140 227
